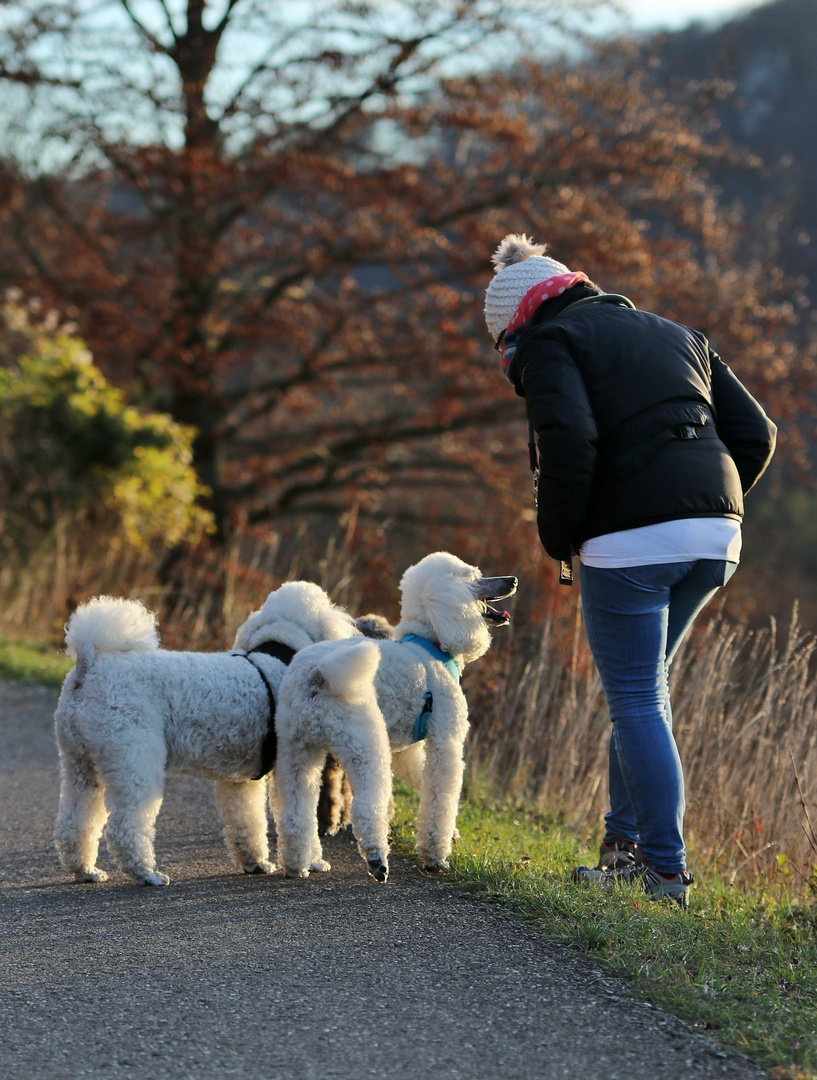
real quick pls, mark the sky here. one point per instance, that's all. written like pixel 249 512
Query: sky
pixel 673 14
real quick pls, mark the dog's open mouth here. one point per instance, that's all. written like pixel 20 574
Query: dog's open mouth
pixel 490 590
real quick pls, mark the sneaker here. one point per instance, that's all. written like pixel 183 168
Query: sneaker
pixel 675 888
pixel 618 854
pixel 657 886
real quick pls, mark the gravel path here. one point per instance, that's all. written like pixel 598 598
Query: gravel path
pixel 222 975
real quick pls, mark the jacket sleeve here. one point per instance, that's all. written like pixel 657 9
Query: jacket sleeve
pixel 742 425
pixel 560 413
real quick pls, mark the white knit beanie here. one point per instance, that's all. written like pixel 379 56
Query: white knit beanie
pixel 520 264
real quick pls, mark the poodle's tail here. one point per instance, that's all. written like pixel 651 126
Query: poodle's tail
pixel 348 670
pixel 108 624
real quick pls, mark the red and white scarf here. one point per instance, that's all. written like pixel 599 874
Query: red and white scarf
pixel 536 295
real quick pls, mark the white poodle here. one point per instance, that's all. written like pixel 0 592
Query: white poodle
pixel 415 693
pixel 130 712
pixel 335 799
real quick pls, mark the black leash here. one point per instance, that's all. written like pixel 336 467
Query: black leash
pixel 269 746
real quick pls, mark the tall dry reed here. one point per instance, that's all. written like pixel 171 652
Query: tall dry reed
pixel 744 714
pixel 202 594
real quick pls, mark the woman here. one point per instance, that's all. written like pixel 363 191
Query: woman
pixel 647 444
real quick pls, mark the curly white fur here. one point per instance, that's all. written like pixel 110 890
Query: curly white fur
pixel 109 624
pixel 337 689
pixel 130 712
pixel 297 614
pixel 440 603
pixel 437 596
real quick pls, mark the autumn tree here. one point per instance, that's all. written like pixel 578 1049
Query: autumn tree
pixel 275 223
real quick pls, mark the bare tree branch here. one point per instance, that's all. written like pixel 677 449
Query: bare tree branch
pixel 150 38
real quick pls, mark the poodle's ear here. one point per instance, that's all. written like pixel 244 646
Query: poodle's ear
pixel 244 634
pixel 458 626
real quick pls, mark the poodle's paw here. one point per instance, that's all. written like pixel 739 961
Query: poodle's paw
pixel 261 867
pixel 455 838
pixel 154 878
pixel 320 866
pixel 87 877
pixel 436 866
pixel 296 872
pixel 378 867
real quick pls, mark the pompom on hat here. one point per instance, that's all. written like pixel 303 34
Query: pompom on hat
pixel 520 264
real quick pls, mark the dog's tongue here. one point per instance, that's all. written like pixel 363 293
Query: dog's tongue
pixel 499 617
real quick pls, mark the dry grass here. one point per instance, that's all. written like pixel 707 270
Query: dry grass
pixel 745 718
pixel 202 594
pixel 744 700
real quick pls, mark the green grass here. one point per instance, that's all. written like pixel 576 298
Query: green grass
pixel 33 662
pixel 739 964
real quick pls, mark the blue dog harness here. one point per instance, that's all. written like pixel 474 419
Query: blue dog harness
pixel 454 670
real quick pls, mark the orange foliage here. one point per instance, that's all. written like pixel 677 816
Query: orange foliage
pixel 309 295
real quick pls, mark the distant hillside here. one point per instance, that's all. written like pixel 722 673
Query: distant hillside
pixel 770 54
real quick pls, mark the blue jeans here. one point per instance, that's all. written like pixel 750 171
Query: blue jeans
pixel 635 618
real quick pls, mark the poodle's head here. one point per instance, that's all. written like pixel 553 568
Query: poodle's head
pixel 297 614
pixel 446 600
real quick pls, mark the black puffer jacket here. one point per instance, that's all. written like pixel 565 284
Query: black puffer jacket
pixel 623 404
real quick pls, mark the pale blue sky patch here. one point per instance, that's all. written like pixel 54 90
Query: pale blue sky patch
pixel 650 15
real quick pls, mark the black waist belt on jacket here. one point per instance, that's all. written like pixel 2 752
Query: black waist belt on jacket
pixel 632 445
pixel 269 746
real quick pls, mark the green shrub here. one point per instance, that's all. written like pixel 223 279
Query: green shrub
pixel 69 441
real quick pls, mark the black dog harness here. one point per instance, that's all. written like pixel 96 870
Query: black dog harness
pixel 269 747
